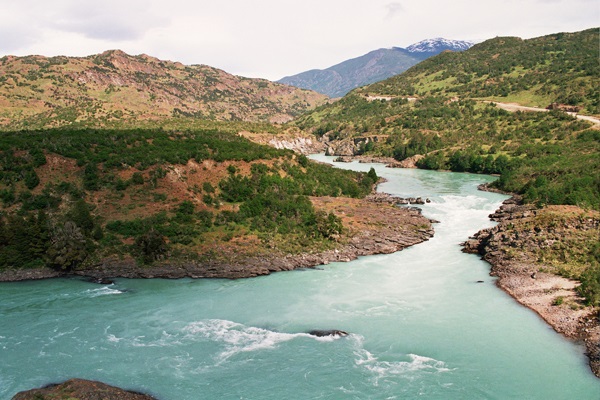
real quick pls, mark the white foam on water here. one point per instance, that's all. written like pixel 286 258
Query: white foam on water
pixel 113 339
pixel 102 291
pixel 409 369
pixel 238 338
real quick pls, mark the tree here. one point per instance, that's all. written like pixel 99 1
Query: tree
pixel 31 179
pixel 137 178
pixel 373 175
pixel 90 177
pixel 80 215
pixel 68 247
pixel 328 225
pixel 151 246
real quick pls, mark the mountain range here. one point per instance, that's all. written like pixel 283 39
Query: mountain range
pixel 38 91
pixel 372 67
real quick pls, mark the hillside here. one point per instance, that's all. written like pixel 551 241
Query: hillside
pixel 202 202
pixel 561 68
pixel 37 92
pixel 433 111
pixel 377 65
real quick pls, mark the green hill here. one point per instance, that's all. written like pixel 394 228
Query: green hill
pixel 444 110
pixel 436 109
pixel 71 198
pixel 560 68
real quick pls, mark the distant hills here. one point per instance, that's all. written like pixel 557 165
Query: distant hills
pixel 37 91
pixel 372 67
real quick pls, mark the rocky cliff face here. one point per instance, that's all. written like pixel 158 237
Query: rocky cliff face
pixel 37 91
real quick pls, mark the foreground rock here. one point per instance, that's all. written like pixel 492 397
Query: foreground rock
pixel 79 389
pixel 522 250
pixel 373 226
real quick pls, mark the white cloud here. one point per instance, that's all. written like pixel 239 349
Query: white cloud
pixel 393 9
pixel 108 19
pixel 271 38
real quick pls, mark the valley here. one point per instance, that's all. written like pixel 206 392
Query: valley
pixel 124 167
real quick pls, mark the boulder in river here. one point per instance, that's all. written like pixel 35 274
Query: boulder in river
pixel 328 332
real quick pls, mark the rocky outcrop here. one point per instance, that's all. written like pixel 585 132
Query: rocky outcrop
pixel 410 162
pixel 328 332
pixel 392 229
pixel 291 140
pixel 517 249
pixel 80 389
pixel 349 146
pixel 397 201
pixel 303 145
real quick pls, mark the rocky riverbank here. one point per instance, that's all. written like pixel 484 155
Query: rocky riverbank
pixel 80 389
pixel 528 249
pixel 373 226
pixel 410 162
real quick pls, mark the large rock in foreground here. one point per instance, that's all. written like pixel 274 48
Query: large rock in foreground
pixel 80 389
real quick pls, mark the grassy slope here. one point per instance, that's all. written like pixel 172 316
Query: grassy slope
pixel 38 92
pixel 550 157
pixel 560 68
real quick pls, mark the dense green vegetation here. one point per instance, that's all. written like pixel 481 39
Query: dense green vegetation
pixel 66 219
pixel 551 158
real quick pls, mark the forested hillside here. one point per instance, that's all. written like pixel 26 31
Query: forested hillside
pixel 72 197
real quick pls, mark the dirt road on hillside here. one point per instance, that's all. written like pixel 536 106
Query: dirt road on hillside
pixel 512 107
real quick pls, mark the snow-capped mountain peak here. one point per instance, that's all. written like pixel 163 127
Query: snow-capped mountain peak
pixel 438 45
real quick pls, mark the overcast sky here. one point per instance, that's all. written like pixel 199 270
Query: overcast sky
pixel 272 38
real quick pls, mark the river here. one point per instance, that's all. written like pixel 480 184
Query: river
pixel 421 326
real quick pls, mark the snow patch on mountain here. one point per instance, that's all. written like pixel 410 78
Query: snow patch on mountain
pixel 438 45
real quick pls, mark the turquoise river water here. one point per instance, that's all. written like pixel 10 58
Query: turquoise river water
pixel 421 327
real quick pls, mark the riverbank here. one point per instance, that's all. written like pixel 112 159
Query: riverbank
pixel 522 249
pixel 372 226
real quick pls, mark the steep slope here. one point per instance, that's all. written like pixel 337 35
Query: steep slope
pixel 372 67
pixel 37 91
